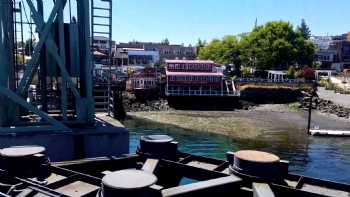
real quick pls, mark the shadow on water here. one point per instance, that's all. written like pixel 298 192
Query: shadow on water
pixel 326 158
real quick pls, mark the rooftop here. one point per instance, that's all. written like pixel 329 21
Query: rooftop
pixel 194 73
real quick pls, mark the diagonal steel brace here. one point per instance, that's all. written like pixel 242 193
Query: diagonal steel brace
pixel 51 46
pixel 19 100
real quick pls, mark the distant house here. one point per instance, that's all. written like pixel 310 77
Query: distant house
pixel 165 50
pixel 101 43
pixel 142 80
pixel 333 52
pixel 135 57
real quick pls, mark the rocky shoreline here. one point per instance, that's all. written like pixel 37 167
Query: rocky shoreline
pixel 325 106
pixel 132 104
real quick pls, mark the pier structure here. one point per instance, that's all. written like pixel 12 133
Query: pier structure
pixel 46 83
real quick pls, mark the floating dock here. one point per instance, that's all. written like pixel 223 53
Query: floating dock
pixel 338 133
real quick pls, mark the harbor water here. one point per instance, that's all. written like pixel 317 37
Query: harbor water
pixel 319 157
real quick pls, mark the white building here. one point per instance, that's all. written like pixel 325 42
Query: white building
pixel 322 42
pixel 135 57
pixel 102 44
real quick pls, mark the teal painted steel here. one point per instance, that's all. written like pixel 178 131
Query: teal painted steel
pixel 7 76
pixel 74 73
pixel 85 60
pixel 105 21
pixel 19 100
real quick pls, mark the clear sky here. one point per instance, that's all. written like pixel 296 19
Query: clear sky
pixel 184 21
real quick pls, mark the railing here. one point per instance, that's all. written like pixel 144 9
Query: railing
pixel 200 93
pixel 255 80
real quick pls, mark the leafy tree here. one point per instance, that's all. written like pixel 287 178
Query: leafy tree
pixel 200 44
pixel 271 46
pixel 304 30
pixel 225 51
pixel 276 46
pixel 212 51
pixel 305 52
pixel 165 41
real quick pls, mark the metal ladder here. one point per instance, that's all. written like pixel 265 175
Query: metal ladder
pixel 101 25
pixel 18 35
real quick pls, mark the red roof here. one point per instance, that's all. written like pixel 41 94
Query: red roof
pixel 194 73
pixel 189 62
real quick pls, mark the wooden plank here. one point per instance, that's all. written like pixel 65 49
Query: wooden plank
pixel 262 190
pixel 210 186
pixel 329 132
pixel 150 165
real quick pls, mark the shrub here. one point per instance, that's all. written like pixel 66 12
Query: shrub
pixel 291 72
pixel 299 74
pixel 309 73
pixel 247 72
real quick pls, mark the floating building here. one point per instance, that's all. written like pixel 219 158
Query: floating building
pixel 196 78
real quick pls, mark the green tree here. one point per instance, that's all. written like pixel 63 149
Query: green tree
pixel 200 44
pixel 305 52
pixel 225 51
pixel 165 41
pixel 276 45
pixel 304 30
pixel 271 46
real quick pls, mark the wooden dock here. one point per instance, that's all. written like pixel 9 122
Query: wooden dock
pixel 318 132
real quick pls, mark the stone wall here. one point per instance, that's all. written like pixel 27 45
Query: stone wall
pixel 326 106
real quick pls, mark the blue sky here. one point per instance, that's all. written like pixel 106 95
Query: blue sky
pixel 184 21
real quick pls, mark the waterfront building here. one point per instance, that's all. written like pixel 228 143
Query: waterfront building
pixel 326 57
pixel 196 78
pixel 101 44
pixel 333 52
pixel 165 50
pixel 321 42
pixel 142 80
pixel 342 60
pixel 135 57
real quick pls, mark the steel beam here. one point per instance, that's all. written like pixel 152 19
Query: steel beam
pixel 7 74
pixel 19 100
pixel 43 69
pixel 62 51
pixel 85 57
pixel 44 31
pixel 51 46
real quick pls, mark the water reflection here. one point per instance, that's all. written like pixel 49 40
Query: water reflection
pixel 326 158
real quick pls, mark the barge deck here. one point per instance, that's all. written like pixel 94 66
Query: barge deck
pixel 168 173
